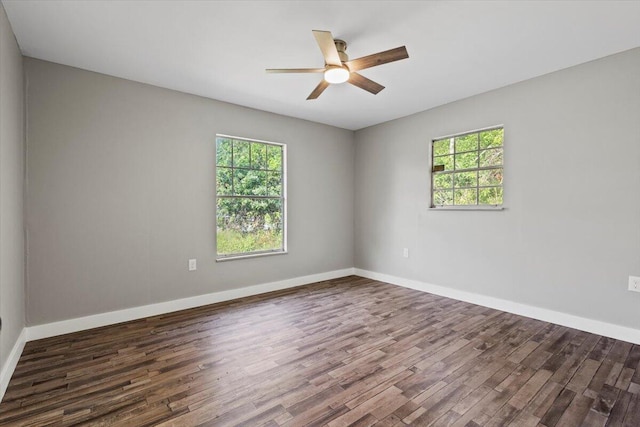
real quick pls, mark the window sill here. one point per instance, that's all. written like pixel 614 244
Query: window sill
pixel 466 208
pixel 255 255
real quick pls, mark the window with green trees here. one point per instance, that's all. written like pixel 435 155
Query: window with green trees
pixel 467 169
pixel 250 197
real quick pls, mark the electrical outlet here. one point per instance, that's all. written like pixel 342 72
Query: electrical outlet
pixel 405 252
pixel 634 283
pixel 192 265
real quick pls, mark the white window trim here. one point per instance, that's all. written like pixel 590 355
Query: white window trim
pixel 433 207
pixel 257 254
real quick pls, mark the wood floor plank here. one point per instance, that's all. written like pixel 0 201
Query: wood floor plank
pixel 604 401
pixel 594 419
pixel 530 389
pixel 619 410
pixel 576 412
pixel 344 352
pixel 557 409
pixel 632 418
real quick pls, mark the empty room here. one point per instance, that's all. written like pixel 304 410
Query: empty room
pixel 319 213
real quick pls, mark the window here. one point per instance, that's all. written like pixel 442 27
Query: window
pixel 467 169
pixel 250 197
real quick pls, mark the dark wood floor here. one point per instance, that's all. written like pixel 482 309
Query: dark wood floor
pixel 344 352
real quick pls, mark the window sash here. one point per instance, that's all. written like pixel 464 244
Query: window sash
pixel 282 197
pixel 454 154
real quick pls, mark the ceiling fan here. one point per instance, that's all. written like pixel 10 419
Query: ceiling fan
pixel 338 68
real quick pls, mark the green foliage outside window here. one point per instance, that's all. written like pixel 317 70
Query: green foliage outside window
pixel 468 169
pixel 250 202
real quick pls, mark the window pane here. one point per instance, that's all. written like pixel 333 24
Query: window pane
pixel 442 198
pixel 223 152
pixel 491 138
pixel 442 147
pixel 465 196
pixel 223 181
pixel 256 182
pixel 248 225
pixel 274 183
pixel 442 180
pixel 447 161
pixel 467 142
pixel 491 157
pixel 241 154
pixel 466 179
pixel 238 177
pixel 490 177
pixel 274 157
pixel 249 182
pixel 490 196
pixel 467 160
pixel 258 155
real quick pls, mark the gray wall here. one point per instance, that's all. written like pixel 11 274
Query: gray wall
pixel 570 235
pixel 11 189
pixel 121 193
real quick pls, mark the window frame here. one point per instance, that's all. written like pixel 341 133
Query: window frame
pixel 476 207
pixel 282 198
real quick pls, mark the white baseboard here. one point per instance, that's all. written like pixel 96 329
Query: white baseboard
pixel 103 319
pixel 598 327
pixel 11 362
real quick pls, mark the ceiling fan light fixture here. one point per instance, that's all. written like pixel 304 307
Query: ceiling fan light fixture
pixel 336 75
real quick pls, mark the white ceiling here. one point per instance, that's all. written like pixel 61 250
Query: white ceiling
pixel 220 49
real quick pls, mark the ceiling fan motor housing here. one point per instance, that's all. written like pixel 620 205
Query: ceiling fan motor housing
pixel 341 46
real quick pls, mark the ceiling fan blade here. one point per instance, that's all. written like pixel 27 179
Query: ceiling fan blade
pixel 378 59
pixel 318 90
pixel 328 47
pixel 295 70
pixel 364 83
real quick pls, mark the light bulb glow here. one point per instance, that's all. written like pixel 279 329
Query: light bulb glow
pixel 336 75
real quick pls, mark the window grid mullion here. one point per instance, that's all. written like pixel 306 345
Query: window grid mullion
pixel 483 168
pixel 233 188
pixel 236 196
